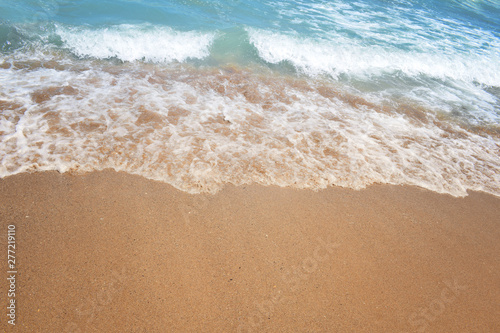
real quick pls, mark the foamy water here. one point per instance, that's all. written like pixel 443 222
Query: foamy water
pixel 200 129
pixel 129 43
pixel 335 93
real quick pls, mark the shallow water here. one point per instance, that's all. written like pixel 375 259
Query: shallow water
pixel 305 94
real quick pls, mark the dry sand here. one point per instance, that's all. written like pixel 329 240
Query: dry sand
pixel 111 252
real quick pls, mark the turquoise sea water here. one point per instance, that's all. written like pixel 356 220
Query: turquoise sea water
pixel 292 93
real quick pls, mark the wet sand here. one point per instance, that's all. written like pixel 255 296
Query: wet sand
pixel 112 252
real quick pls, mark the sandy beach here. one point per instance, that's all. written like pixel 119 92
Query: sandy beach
pixel 112 252
pixel 250 166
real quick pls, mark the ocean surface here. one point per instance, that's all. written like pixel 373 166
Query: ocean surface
pixel 307 94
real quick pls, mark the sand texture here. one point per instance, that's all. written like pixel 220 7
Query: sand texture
pixel 112 252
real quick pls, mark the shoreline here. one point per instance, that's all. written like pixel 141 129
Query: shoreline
pixel 109 251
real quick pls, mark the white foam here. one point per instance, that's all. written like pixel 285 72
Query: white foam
pixel 183 130
pixel 345 56
pixel 136 42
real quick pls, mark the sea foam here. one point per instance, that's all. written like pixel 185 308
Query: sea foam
pixel 340 56
pixel 199 129
pixel 136 42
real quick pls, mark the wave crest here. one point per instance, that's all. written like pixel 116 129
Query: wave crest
pixel 132 42
pixel 337 57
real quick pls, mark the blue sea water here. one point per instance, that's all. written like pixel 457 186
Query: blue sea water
pixel 292 93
